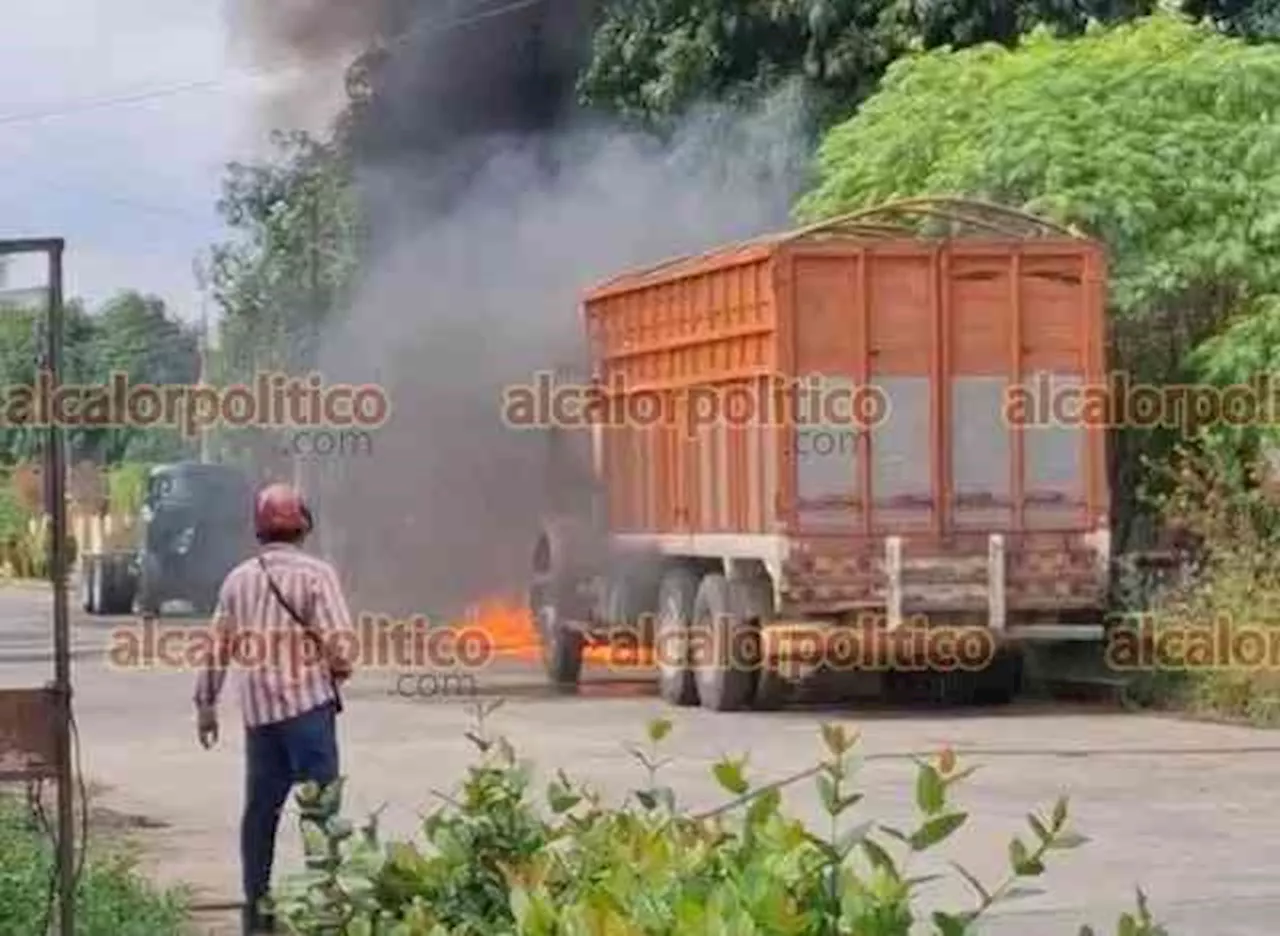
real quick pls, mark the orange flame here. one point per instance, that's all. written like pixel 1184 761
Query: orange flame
pixel 511 631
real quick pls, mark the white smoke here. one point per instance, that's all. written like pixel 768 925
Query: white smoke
pixel 462 304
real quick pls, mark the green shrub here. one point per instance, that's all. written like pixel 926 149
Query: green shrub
pixel 497 863
pixel 1232 588
pixel 13 530
pixel 127 488
pixel 26 554
pixel 13 515
pixel 113 900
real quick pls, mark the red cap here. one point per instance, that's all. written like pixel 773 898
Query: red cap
pixel 279 510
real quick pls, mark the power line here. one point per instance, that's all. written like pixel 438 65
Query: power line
pixel 168 211
pixel 93 104
pixel 89 105
pixel 427 28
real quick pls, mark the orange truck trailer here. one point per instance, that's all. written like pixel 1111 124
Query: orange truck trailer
pixel 857 445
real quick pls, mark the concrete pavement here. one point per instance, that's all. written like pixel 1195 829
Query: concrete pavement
pixel 1182 809
pixel 26 624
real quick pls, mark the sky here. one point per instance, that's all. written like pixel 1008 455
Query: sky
pixel 131 185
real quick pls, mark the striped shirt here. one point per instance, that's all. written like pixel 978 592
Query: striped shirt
pixel 280 671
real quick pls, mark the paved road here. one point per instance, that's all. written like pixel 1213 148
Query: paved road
pixel 1183 809
pixel 26 624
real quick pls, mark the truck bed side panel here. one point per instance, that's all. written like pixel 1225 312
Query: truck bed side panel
pixel 684 361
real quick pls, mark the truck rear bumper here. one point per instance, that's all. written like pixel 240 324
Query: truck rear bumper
pixel 1001 576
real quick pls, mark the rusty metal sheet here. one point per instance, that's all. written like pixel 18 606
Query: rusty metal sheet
pixel 28 734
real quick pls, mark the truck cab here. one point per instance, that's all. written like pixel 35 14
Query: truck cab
pixel 196 527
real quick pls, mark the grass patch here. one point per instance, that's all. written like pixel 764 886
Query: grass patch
pixel 113 898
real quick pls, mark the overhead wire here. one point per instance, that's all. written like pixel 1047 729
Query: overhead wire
pixel 427 27
pixel 124 99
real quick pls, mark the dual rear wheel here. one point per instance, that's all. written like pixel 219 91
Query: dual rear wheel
pixel 708 645
pixel 107 583
pixel 708 642
pixel 706 636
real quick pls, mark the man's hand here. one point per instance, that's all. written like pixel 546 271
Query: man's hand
pixel 207 726
pixel 340 669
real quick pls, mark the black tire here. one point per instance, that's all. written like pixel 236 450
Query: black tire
pixel 90 584
pixel 726 648
pixel 676 596
pixel 629 605
pixel 562 562
pixel 562 653
pixel 931 687
pixel 149 600
pixel 773 690
pixel 117 584
pixel 560 628
pixel 1001 681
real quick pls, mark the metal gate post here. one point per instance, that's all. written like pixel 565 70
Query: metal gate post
pixel 55 505
pixel 56 471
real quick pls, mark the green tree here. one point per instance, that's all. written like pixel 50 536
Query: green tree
pixel 1255 19
pixel 961 23
pixel 22 347
pixel 18 365
pixel 1155 136
pixel 290 261
pixel 135 335
pixel 290 258
pixel 1249 347
pixel 651 59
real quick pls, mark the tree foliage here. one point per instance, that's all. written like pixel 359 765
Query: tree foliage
pixel 1254 19
pixel 497 859
pixel 1157 137
pixel 288 263
pixel 135 335
pixel 290 257
pixel 1154 136
pixel 131 333
pixel 653 58
pixel 1246 352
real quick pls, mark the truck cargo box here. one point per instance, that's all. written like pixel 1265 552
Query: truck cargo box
pixel 872 384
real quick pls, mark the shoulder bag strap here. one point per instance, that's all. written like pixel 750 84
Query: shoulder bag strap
pixel 306 625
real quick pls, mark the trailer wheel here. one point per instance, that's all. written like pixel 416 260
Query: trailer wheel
pixel 1001 681
pixel 562 654
pixel 562 637
pixel 91 584
pixel 930 687
pixel 629 602
pixel 115 577
pixel 773 689
pixel 148 598
pixel 555 603
pixel 676 596
pixel 726 648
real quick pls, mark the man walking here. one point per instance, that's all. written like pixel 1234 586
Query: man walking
pixel 277 615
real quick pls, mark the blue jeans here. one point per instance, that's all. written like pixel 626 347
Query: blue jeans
pixel 278 756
